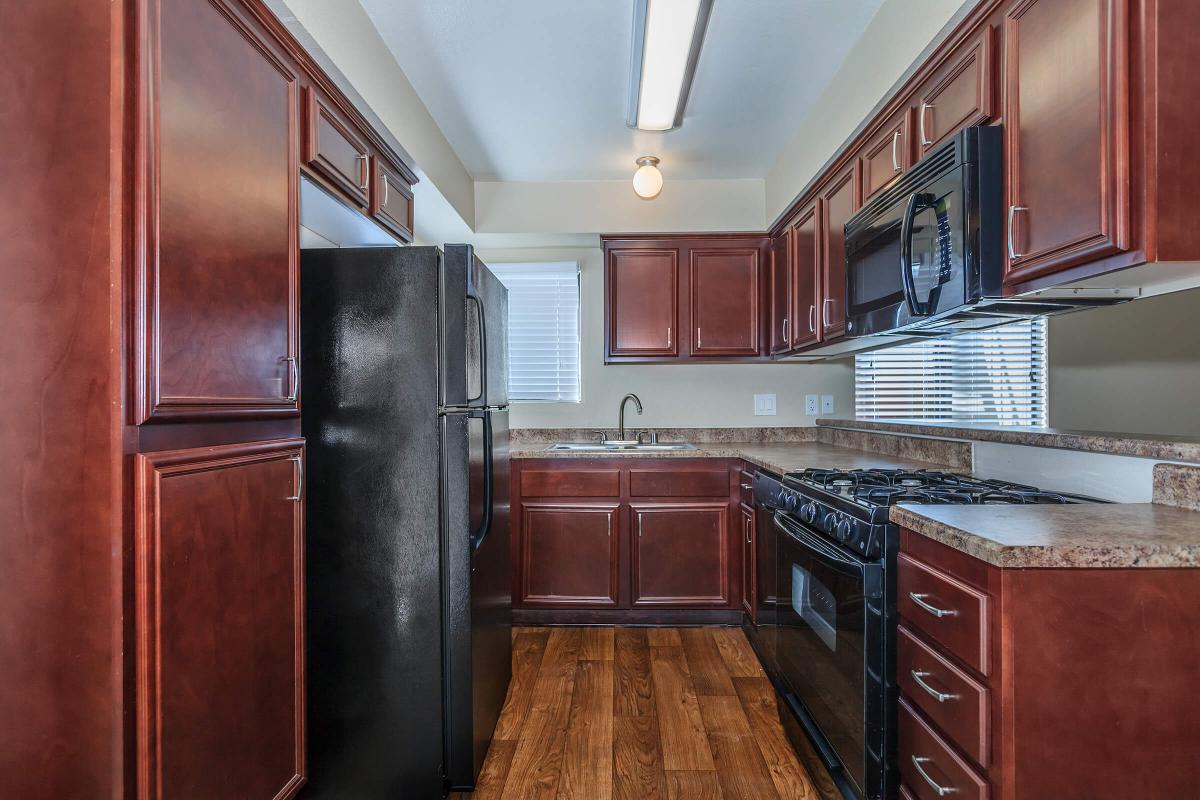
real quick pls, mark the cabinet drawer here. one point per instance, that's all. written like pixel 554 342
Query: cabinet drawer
pixel 746 488
pixel 948 696
pixel 571 483
pixel 678 483
pixel 946 610
pixel 929 768
pixel 333 149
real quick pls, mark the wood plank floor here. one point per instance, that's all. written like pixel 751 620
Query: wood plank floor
pixel 639 714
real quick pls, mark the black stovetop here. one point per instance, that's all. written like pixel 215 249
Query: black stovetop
pixel 880 488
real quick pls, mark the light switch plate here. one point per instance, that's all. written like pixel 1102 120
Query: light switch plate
pixel 810 404
pixel 826 404
pixel 764 405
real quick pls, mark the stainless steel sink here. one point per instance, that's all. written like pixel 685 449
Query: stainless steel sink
pixel 598 447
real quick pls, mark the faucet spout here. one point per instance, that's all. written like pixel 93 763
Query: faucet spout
pixel 621 413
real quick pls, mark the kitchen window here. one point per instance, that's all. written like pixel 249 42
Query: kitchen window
pixel 543 330
pixel 990 377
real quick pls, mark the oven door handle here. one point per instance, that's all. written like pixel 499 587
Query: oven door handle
pixel 827 553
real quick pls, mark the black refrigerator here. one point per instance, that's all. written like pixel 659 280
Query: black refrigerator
pixel 404 365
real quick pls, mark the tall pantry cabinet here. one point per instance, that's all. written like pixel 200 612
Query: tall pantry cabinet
pixel 152 555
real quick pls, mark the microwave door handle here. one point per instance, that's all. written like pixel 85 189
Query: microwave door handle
pixel 915 307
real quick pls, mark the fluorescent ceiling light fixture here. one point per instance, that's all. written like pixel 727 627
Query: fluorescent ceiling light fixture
pixel 666 46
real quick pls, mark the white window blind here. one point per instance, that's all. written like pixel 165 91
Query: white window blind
pixel 543 330
pixel 990 377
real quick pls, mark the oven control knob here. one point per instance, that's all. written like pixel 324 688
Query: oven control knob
pixel 809 513
pixel 789 502
pixel 845 529
pixel 829 524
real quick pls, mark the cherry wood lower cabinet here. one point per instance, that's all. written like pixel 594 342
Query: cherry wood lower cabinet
pixel 749 573
pixel 1039 683
pixel 569 554
pixel 627 539
pixel 219 584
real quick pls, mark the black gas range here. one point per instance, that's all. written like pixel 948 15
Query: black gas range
pixel 831 557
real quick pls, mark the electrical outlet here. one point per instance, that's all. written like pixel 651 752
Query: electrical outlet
pixel 826 404
pixel 810 404
pixel 764 405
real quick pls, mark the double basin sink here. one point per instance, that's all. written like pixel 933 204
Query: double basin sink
pixel 617 447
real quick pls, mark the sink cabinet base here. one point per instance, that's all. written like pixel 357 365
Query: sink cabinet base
pixel 624 540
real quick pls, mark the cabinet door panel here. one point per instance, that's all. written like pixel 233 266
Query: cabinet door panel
pixel 838 204
pixel 332 148
pixel 569 554
pixel 642 302
pixel 1066 133
pixel 887 155
pixel 725 301
pixel 806 277
pixel 959 95
pixel 749 571
pixel 680 554
pixel 219 577
pixel 217 263
pixel 781 293
pixel 391 200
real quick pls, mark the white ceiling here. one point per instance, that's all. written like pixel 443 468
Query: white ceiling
pixel 536 90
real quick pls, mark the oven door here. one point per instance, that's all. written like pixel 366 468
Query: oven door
pixel 830 647
pixel 908 266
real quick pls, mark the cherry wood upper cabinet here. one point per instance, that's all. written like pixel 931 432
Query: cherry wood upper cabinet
pixel 888 155
pixel 839 201
pixel 391 199
pixel 333 149
pixel 1067 143
pixel 960 94
pixel 216 259
pixel 569 554
pixel 680 554
pixel 219 590
pixel 781 292
pixel 678 297
pixel 643 316
pixel 806 277
pixel 726 301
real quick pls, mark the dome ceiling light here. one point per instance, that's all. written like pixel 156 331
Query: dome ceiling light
pixel 667 35
pixel 648 180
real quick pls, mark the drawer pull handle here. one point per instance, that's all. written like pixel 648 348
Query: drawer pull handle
pixel 941 697
pixel 940 790
pixel 747 486
pixel 919 599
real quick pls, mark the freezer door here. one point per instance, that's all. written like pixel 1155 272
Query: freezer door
pixel 478 586
pixel 474 335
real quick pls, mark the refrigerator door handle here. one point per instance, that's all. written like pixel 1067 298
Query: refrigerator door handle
pixel 485 523
pixel 483 359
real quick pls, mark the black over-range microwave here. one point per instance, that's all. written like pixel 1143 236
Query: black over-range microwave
pixel 926 256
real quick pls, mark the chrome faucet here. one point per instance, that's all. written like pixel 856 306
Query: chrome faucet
pixel 621 414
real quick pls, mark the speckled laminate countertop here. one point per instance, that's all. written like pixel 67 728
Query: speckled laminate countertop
pixel 1100 535
pixel 1168 448
pixel 778 458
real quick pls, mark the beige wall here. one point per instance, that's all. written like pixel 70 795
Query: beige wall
pixel 710 395
pixel 1130 368
pixel 612 207
pixel 893 40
